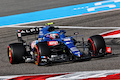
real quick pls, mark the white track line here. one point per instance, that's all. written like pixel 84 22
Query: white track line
pixel 70 27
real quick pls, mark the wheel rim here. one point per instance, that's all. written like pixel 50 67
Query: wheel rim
pixel 9 54
pixel 92 46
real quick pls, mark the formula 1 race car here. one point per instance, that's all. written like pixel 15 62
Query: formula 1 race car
pixel 54 46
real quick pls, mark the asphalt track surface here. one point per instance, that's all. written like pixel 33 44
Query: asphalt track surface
pixel 8 35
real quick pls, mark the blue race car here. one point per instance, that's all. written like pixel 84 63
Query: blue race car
pixel 54 46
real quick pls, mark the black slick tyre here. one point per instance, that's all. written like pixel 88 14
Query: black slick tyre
pixel 16 51
pixel 97 46
pixel 41 49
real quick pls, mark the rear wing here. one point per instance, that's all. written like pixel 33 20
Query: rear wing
pixel 28 31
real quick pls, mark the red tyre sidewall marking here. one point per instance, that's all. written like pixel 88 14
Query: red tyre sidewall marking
pixel 92 45
pixel 38 56
pixel 10 54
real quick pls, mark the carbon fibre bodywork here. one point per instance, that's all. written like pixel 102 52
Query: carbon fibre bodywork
pixel 54 46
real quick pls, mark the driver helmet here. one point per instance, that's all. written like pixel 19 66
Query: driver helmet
pixel 54 36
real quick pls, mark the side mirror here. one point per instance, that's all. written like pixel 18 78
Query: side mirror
pixel 76 33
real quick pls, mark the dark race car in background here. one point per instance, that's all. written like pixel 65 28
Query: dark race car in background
pixel 54 46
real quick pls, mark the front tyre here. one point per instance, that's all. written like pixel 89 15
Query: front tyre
pixel 41 52
pixel 16 52
pixel 97 45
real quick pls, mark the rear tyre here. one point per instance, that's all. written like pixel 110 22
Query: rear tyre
pixel 41 49
pixel 16 52
pixel 97 46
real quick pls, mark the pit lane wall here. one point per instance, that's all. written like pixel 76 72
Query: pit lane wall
pixel 85 75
